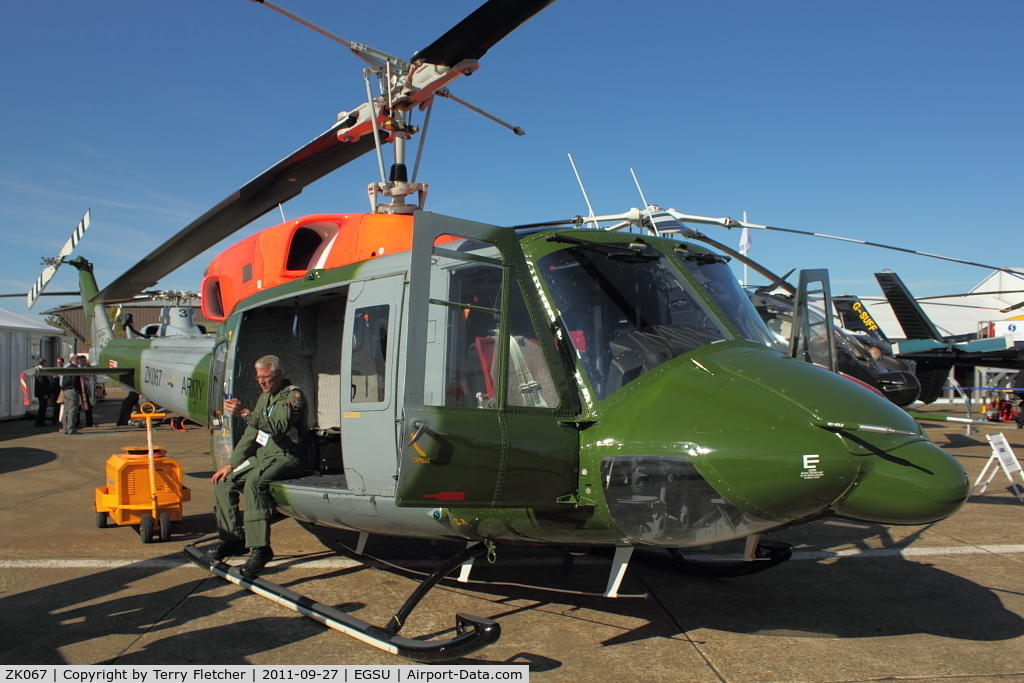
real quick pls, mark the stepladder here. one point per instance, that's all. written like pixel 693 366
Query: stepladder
pixel 1002 458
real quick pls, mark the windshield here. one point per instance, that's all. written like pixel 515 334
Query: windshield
pixel 779 319
pixel 626 309
pixel 721 284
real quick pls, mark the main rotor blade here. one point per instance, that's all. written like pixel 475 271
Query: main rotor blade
pixel 6 296
pixel 1009 271
pixel 955 296
pixel 276 185
pixel 472 37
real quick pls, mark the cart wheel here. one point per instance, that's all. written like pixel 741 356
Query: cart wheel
pixel 101 520
pixel 146 528
pixel 165 527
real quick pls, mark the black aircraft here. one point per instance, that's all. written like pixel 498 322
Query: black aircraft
pixel 933 353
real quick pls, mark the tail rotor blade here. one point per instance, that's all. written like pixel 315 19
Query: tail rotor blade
pixel 72 242
pixel 40 284
pixel 50 270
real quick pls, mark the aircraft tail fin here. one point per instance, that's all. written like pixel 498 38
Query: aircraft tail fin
pixel 915 322
pixel 96 320
pixel 855 317
pixel 932 373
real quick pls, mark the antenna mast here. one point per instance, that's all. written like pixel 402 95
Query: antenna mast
pixel 405 85
pixel 584 191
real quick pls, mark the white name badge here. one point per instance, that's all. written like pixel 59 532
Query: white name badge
pixel 262 438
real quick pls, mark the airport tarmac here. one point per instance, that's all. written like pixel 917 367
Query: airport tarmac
pixel 857 602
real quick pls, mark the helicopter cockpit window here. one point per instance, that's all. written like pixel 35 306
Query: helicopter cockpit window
pixel 464 325
pixel 849 351
pixel 721 284
pixel 626 310
pixel 529 379
pixel 812 340
pixel 778 320
pixel 369 354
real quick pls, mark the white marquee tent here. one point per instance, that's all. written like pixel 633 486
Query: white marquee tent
pixel 22 342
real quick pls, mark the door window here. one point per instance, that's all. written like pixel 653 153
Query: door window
pixel 529 378
pixel 369 354
pixel 464 324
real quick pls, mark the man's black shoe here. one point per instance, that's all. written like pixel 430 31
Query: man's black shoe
pixel 258 558
pixel 225 549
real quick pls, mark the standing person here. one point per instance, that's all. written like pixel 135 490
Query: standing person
pixel 129 405
pixel 69 390
pixel 86 391
pixel 44 392
pixel 272 447
pixel 58 398
pixel 1017 384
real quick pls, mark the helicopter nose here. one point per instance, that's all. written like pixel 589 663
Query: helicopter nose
pixel 797 463
pixel 917 483
pixel 740 440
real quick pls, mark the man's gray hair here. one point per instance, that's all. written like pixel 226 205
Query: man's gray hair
pixel 272 363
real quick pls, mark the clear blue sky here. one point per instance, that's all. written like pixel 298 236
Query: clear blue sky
pixel 895 122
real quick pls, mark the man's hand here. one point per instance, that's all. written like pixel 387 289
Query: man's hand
pixel 232 406
pixel 221 474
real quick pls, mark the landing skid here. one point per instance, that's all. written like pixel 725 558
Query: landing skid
pixel 759 556
pixel 472 633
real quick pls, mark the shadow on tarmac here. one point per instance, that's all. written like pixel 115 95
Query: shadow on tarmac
pixel 14 459
pixel 61 616
pixel 842 598
pixel 20 428
pixel 985 499
pixel 224 644
pixel 848 598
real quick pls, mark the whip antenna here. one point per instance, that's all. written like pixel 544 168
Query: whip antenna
pixel 647 207
pixel 584 191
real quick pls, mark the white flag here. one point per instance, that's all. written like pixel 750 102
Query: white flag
pixel 745 241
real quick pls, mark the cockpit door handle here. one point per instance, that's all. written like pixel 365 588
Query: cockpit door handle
pixel 420 426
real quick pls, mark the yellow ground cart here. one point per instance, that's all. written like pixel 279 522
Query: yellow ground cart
pixel 143 487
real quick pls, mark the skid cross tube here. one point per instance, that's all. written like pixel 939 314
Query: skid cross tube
pixel 471 633
pixel 470 553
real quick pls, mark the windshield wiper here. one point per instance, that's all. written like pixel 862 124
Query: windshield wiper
pixel 701 259
pixel 629 254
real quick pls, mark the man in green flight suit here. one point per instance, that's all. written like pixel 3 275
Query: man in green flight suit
pixel 272 447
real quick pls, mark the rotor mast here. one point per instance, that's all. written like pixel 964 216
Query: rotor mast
pixel 403 86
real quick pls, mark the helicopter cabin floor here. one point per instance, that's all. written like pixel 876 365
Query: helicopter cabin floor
pixel 858 602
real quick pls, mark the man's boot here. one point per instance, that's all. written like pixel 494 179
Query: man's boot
pixel 226 549
pixel 258 558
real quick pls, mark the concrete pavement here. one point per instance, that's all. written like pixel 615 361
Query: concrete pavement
pixel 858 602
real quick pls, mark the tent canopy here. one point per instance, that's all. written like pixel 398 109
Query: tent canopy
pixel 13 321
